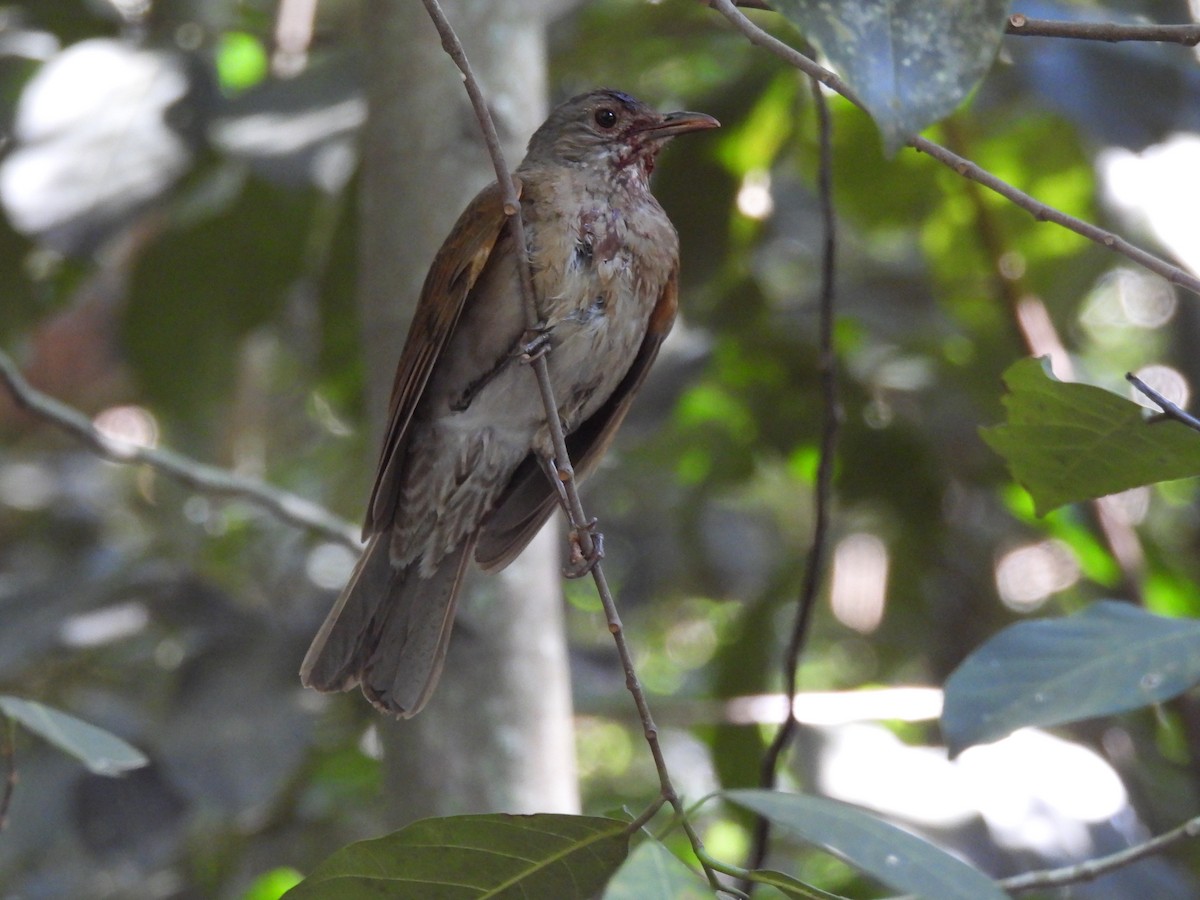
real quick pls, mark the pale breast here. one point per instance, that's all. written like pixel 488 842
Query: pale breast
pixel 601 262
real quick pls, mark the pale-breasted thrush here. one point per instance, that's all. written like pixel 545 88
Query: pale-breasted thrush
pixel 465 463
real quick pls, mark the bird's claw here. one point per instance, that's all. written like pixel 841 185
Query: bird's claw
pixel 535 343
pixel 582 563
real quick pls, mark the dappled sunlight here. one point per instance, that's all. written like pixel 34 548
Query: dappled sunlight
pixel 1027 576
pixel 1159 185
pixel 127 427
pixel 859 586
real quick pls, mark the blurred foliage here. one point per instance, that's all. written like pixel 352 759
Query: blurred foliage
pixel 220 314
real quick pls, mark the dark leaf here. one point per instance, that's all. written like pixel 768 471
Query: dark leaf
pixel 1110 658
pixel 899 859
pixel 911 62
pixel 653 872
pixel 102 752
pixel 497 856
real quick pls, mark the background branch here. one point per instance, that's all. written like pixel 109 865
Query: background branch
pixel 1094 868
pixel 287 507
pixel 964 167
pixel 1112 32
pixel 814 571
pixel 1169 410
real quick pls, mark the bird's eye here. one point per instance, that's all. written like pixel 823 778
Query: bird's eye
pixel 605 117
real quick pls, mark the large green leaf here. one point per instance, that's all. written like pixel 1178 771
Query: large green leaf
pixel 911 62
pixel 653 872
pixel 1110 658
pixel 1068 442
pixel 899 859
pixel 101 751
pixel 495 856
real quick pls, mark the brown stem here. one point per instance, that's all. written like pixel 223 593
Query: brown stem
pixel 1112 32
pixel 814 572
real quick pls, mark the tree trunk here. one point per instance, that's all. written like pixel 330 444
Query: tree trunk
pixel 497 736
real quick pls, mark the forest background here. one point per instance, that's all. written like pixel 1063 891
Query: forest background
pixel 211 247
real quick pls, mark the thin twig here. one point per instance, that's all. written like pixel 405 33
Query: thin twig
pixel 1094 868
pixel 964 167
pixel 1111 32
pixel 1169 410
pixel 285 506
pixel 579 522
pixel 8 753
pixel 814 572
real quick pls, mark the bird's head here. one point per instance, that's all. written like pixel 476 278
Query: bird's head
pixel 607 128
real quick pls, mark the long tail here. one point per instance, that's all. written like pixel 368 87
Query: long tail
pixel 388 631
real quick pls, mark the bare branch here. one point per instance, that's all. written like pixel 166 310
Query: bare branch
pixel 1112 32
pixel 964 167
pixel 581 527
pixel 1169 409
pixel 814 571
pixel 287 507
pixel 1094 868
pixel 9 755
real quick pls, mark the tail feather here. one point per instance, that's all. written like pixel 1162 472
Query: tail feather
pixel 388 631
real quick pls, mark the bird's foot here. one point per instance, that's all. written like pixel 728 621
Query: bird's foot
pixel 535 343
pixel 583 562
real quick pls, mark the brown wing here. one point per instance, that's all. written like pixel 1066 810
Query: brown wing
pixel 451 277
pixel 530 497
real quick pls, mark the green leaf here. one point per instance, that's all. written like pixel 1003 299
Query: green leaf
pixel 498 856
pixel 1110 658
pixel 1068 442
pixel 102 752
pixel 911 62
pixel 901 860
pixel 241 61
pixel 651 872
pixel 273 884
pixel 791 887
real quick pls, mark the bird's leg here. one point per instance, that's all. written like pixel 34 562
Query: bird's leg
pixel 581 562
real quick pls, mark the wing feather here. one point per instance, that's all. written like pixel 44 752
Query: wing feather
pixel 451 277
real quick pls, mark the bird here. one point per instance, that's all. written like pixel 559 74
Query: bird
pixel 467 466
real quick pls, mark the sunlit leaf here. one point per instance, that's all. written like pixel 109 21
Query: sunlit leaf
pixel 241 61
pixel 272 885
pixel 899 859
pixel 653 872
pixel 101 751
pixel 911 62
pixel 1110 658
pixel 1068 442
pixel 476 856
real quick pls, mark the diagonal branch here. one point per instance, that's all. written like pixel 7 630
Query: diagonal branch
pixel 1094 868
pixel 964 167
pixel 1169 410
pixel 581 527
pixel 1112 32
pixel 285 506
